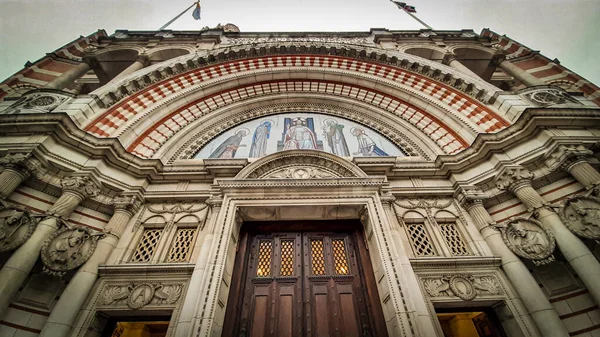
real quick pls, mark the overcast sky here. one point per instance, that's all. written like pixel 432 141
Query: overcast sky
pixel 563 29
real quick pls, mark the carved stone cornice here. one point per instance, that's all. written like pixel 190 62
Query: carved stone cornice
pixel 82 186
pixel 565 156
pixel 513 178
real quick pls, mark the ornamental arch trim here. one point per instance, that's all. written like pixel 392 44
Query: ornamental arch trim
pixel 303 159
pixel 152 137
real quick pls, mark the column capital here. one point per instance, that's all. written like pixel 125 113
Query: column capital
pixel 128 203
pixel 565 156
pixel 143 59
pixel 80 185
pixel 386 196
pixel 497 59
pixel 448 57
pixel 17 162
pixel 513 178
pixel 470 196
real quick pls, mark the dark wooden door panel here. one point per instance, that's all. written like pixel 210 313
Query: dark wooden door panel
pixel 301 284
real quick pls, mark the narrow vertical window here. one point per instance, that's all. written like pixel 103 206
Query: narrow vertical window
pixel 264 259
pixel 182 245
pixel 287 258
pixel 340 259
pixel 453 239
pixel 420 240
pixel 145 249
pixel 317 257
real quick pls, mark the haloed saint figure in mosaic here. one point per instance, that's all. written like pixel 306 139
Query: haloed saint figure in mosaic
pixel 333 132
pixel 259 140
pixel 366 145
pixel 299 133
pixel 228 148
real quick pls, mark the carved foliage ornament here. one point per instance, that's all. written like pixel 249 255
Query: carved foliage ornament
pixel 36 102
pixel 581 214
pixel 16 227
pixel 67 249
pixel 82 185
pixel 547 97
pixel 300 165
pixel 174 209
pixel 136 296
pixel 300 172
pixel 463 286
pixel 528 238
pixel 511 176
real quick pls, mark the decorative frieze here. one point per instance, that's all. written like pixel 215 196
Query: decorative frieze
pixel 464 286
pixel 138 295
pixel 529 239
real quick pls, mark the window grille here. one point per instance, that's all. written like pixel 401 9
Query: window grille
pixel 182 245
pixel 147 246
pixel 287 258
pixel 339 257
pixel 318 258
pixel 420 240
pixel 453 239
pixel 264 259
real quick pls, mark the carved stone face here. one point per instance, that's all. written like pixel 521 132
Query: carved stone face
pixel 528 239
pixel 581 215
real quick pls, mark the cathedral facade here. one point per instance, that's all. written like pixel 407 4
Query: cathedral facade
pixel 221 183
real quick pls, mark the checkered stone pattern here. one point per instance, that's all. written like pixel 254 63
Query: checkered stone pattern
pixel 340 260
pixel 453 239
pixel 182 245
pixel 132 108
pixel 263 268
pixel 147 144
pixel 419 239
pixel 317 257
pixel 287 258
pixel 145 249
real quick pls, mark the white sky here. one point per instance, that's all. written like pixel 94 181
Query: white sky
pixel 563 29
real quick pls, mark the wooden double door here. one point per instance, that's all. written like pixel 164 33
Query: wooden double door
pixel 291 283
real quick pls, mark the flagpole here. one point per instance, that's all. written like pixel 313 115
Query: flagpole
pixel 177 17
pixel 411 14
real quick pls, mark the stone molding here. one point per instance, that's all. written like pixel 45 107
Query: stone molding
pixel 581 215
pixel 513 178
pixel 545 96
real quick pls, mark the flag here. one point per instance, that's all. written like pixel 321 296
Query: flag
pixel 196 13
pixel 404 6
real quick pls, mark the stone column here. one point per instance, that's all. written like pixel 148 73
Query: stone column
pixel 450 60
pixel 68 77
pixel 71 301
pixel 18 266
pixel 573 159
pixel 188 309
pixel 537 304
pixel 518 181
pixel 15 172
pixel 521 75
pixel 141 62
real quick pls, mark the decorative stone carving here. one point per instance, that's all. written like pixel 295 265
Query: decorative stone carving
pixel 130 203
pixel 511 177
pixel 463 286
pixel 137 296
pixel 300 172
pixel 174 209
pixel 16 226
pixel 14 158
pixel 345 40
pixel 67 249
pixel 581 214
pixel 564 155
pixel 82 185
pixel 546 97
pixel 528 238
pixel 37 101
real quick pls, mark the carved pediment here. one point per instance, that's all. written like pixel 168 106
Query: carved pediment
pixel 301 164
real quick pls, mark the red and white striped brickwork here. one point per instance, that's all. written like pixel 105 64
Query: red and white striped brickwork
pixel 468 110
pixel 46 69
pixel 542 67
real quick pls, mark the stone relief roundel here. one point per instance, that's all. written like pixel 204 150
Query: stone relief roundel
pixel 581 215
pixel 67 249
pixel 16 226
pixel 529 239
pixel 299 131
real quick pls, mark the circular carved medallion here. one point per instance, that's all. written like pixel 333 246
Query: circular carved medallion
pixel 67 249
pixel 581 215
pixel 140 296
pixel 462 287
pixel 16 226
pixel 529 239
